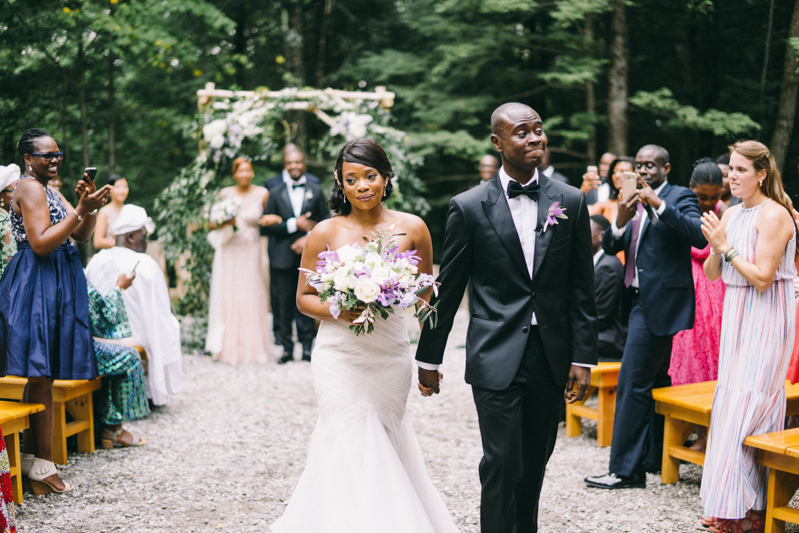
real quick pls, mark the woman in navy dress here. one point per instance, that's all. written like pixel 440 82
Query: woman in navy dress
pixel 44 309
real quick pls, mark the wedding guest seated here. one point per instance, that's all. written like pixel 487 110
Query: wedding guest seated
pixel 8 246
pixel 609 285
pixel 152 324
pixel 549 171
pixel 123 394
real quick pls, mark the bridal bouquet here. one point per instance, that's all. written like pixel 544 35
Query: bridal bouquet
pixel 374 277
pixel 224 209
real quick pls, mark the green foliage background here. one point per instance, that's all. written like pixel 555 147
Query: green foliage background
pixel 695 76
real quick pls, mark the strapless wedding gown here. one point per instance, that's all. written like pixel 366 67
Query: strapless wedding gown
pixel 365 471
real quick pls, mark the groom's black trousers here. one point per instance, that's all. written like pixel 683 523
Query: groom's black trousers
pixel 518 426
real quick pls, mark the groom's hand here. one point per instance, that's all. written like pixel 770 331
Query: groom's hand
pixel 579 379
pixel 429 381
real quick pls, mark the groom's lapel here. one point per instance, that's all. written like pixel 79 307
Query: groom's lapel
pixel 546 198
pixel 497 211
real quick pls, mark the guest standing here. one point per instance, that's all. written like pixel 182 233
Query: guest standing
pixel 695 352
pixel 596 182
pixel 8 246
pixel 660 300
pixel 104 233
pixel 487 167
pixel 44 306
pixel 300 204
pixel 610 208
pixel 753 251
pixel 238 331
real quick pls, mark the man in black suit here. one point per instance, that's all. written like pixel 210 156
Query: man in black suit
pixel 532 331
pixel 301 204
pixel 609 282
pixel 661 300
pixel 294 168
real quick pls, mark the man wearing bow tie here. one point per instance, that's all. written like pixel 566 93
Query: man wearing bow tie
pixel 300 203
pixel 522 244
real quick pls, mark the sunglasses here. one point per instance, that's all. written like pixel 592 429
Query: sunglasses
pixel 49 156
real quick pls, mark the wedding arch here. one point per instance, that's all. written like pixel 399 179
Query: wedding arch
pixel 257 124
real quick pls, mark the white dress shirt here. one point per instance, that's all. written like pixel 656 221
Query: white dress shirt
pixel 598 256
pixel 296 196
pixel 524 212
pixel 619 232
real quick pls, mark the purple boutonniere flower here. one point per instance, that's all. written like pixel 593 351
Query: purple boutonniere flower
pixel 555 212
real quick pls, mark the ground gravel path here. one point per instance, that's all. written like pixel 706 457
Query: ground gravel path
pixel 227 452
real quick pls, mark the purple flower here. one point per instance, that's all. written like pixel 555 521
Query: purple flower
pixel 555 212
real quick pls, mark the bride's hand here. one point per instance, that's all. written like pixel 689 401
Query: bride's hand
pixel 351 315
pixel 429 381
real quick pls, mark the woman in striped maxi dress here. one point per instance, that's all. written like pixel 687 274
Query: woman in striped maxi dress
pixel 753 250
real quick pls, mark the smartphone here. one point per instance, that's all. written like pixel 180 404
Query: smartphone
pixel 134 267
pixel 91 171
pixel 629 184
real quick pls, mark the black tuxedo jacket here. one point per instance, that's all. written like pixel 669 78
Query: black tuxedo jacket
pixel 609 279
pixel 482 249
pixel 664 261
pixel 273 182
pixel 280 240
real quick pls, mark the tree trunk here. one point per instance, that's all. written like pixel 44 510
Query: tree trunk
pixel 790 91
pixel 766 54
pixel 111 96
pixel 617 81
pixel 82 98
pixel 590 97
pixel 294 58
pixel 320 64
pixel 64 137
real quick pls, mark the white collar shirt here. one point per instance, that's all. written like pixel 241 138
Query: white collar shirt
pixel 524 213
pixel 598 256
pixel 296 190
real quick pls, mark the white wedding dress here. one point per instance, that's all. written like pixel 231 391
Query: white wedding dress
pixel 365 472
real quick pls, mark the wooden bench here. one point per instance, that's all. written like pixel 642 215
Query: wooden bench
pixel 69 396
pixel 780 452
pixel 603 380
pixel 13 419
pixel 688 406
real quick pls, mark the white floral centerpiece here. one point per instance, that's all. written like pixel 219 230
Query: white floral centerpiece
pixel 373 278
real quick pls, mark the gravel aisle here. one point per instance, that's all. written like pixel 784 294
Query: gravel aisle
pixel 227 452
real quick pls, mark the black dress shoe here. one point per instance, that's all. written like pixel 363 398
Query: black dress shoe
pixel 287 357
pixel 306 356
pixel 615 481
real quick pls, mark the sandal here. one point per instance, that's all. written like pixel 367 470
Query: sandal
pixel 39 472
pixel 758 521
pixel 26 463
pixel 707 521
pixel 111 440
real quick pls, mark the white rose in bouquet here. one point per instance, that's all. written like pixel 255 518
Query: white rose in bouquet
pixel 381 274
pixel 373 259
pixel 366 290
pixel 347 254
pixel 342 280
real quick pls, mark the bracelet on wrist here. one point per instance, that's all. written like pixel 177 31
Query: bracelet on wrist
pixel 80 218
pixel 714 253
pixel 94 212
pixel 728 253
pixel 733 255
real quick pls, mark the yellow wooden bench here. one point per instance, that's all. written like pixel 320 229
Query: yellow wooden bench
pixel 69 396
pixel 780 452
pixel 13 419
pixel 603 380
pixel 688 406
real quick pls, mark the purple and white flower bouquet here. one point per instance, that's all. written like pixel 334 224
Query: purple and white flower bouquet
pixel 224 209
pixel 375 278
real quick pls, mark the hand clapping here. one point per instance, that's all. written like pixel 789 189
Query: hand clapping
pixel 714 232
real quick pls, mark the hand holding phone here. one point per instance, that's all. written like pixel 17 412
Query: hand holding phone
pixel 90 172
pixel 629 185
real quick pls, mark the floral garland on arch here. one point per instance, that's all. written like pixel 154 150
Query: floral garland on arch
pixel 255 126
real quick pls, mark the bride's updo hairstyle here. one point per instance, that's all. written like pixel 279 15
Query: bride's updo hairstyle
pixel 365 152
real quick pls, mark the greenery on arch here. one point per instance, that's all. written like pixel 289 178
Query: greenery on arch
pixel 255 126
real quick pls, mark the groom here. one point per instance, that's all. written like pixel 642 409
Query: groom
pixel 532 333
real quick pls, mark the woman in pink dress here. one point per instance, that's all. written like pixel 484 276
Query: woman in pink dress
pixel 695 352
pixel 238 330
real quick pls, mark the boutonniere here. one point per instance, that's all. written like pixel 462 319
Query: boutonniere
pixel 308 195
pixel 555 212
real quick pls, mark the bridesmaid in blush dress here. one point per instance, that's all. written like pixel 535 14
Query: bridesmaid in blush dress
pixel 237 317
pixel 695 352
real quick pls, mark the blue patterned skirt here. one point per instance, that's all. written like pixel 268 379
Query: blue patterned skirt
pixel 44 316
pixel 123 395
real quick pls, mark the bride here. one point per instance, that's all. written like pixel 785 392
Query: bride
pixel 365 471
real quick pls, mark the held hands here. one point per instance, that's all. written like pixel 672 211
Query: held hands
pixel 429 381
pixel 90 197
pixel 270 220
pixel 714 232
pixel 579 379
pixel 304 222
pixel 124 281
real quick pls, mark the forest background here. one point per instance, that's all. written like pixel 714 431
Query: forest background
pixel 115 81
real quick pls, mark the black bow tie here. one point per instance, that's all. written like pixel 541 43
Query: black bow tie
pixel 295 186
pixel 517 189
